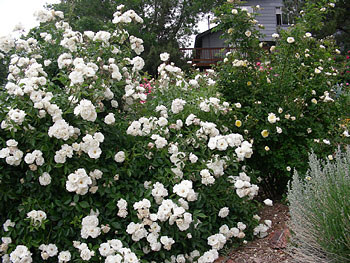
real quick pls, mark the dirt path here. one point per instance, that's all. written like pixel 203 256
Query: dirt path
pixel 270 249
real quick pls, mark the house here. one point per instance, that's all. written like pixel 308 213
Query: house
pixel 209 48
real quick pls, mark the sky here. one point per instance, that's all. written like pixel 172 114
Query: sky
pixel 13 12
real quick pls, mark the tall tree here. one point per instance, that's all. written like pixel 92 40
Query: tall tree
pixel 167 23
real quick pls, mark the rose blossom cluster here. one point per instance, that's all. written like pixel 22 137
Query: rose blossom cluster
pixel 207 129
pixel 167 72
pixel 35 157
pixel 11 153
pixel 47 251
pixel 86 110
pixel 85 252
pixel 168 210
pixel 243 186
pixel 82 71
pixel 159 192
pixel 137 231
pixel 217 241
pixel 136 45
pixel 16 115
pixel 71 39
pixel 217 165
pixel 91 145
pixel 126 17
pixel 8 223
pixel 78 182
pixel 89 227
pixel 122 205
pixel 102 36
pixel 47 15
pixel 62 154
pixel 64 256
pixel 61 130
pixel 207 178
pixel 177 105
pixel 142 127
pixel 21 254
pixel 261 229
pixel 185 190
pixel 221 142
pixel 142 207
pixel 114 252
pixel 6 241
pixel 36 217
pixel 214 103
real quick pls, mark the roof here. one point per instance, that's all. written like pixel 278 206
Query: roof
pixel 201 35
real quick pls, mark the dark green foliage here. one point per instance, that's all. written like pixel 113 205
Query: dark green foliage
pixel 335 23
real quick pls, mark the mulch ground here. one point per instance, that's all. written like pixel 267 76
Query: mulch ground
pixel 271 249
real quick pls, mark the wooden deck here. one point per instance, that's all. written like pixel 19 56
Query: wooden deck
pixel 204 57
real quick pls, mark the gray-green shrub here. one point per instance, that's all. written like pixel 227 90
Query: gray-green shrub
pixel 320 211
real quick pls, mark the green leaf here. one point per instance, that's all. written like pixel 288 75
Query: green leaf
pixel 84 204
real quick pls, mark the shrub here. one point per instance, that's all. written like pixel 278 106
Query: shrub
pixel 284 94
pixel 94 171
pixel 320 211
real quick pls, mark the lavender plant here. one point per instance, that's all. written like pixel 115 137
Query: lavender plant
pixel 320 211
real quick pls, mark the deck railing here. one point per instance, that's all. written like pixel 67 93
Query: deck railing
pixel 204 57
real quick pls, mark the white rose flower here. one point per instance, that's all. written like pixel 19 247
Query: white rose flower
pixel 290 40
pixel 29 158
pixel 114 103
pixel 119 157
pixel 45 179
pixel 268 202
pixel 86 110
pixel 109 119
pixel 193 158
pixel 95 152
pixel 272 118
pixel 64 256
pixel 164 56
pixel 224 212
pixel 162 122
pixel 8 223
pixel 86 254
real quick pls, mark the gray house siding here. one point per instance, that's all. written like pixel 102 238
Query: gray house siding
pixel 210 40
pixel 267 16
pixel 213 40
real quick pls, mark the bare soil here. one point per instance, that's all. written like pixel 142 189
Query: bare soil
pixel 271 249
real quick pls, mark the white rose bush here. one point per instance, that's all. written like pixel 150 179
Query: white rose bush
pixel 95 169
pixel 287 91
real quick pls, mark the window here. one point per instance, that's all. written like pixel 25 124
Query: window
pixel 282 18
pixel 278 16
